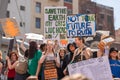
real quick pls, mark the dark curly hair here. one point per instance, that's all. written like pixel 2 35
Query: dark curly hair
pixel 32 49
pixel 42 47
pixel 68 46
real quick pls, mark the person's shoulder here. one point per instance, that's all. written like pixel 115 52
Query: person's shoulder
pixel 87 48
pixel 76 49
pixel 118 61
pixel 67 55
pixel 39 51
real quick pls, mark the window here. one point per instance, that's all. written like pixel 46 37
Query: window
pixel 68 1
pixel 8 14
pixel 109 19
pixel 69 11
pixel 22 24
pixel 22 8
pixel 100 28
pixel 102 16
pixel 38 7
pixel 37 22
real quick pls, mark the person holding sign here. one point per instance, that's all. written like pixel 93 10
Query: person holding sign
pixel 48 63
pixel 104 45
pixel 82 52
pixel 12 61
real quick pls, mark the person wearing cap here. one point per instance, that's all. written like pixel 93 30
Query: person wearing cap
pixel 114 63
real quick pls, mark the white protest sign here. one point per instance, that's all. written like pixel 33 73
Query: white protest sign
pixel 55 24
pixel 95 68
pixel 80 25
pixel 108 40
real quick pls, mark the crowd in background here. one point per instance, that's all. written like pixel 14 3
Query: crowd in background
pixel 61 57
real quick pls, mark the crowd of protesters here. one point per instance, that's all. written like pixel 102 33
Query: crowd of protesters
pixel 61 57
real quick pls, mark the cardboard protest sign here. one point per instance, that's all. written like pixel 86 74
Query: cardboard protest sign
pixel 10 27
pixel 108 40
pixel 105 42
pixel 80 25
pixel 55 23
pixel 95 68
pixel 50 71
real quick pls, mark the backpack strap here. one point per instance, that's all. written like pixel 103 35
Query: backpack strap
pixel 68 57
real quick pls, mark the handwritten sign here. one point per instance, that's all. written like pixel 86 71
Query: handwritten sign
pixel 95 68
pixel 80 25
pixel 55 23
pixel 10 27
pixel 50 71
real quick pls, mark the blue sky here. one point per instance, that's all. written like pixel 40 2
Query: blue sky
pixel 116 5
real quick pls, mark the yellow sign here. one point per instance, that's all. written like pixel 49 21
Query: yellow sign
pixel 10 27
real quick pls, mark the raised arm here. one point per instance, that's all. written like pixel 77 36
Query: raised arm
pixel 10 66
pixel 22 44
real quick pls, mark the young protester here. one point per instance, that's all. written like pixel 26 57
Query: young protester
pixel 43 47
pixel 68 57
pixel 114 63
pixel 33 57
pixel 21 67
pixel 48 57
pixel 11 63
pixel 82 52
pixel 62 53
pixel 76 77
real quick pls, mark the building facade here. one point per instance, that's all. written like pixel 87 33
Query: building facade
pixel 117 34
pixel 30 13
pixel 104 15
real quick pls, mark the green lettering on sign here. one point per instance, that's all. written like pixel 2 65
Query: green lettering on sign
pixel 48 23
pixel 50 30
pixel 61 30
pixel 56 17
pixel 50 11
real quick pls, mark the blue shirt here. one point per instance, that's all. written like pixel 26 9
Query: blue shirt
pixel 115 68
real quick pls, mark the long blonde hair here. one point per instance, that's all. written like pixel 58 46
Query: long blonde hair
pixel 0 54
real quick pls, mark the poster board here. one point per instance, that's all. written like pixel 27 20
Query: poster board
pixel 10 27
pixel 80 25
pixel 95 68
pixel 55 24
pixel 50 71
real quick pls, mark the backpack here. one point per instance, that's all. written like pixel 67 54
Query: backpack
pixel 22 66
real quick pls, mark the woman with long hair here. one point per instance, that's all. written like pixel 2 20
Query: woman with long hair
pixel 71 49
pixel 11 63
pixel 48 57
pixel 62 53
pixel 33 57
